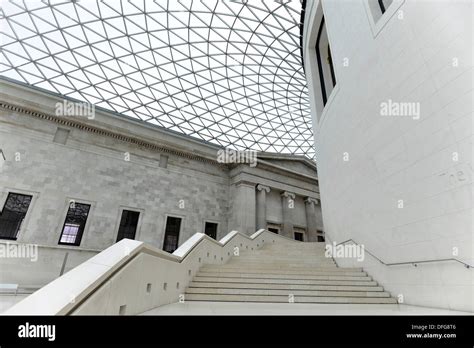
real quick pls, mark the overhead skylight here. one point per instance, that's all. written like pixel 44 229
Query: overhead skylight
pixel 228 72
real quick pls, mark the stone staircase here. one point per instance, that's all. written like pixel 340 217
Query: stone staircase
pixel 285 272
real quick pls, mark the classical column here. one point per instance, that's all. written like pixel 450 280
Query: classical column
pixel 242 214
pixel 262 191
pixel 311 219
pixel 288 206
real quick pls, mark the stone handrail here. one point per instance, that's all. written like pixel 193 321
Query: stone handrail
pixel 131 277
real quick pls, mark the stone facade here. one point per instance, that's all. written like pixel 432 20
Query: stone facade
pixel 114 163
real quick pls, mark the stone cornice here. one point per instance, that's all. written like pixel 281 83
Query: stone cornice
pixel 39 103
pixel 69 122
pixel 286 157
pixel 265 166
pixel 286 170
pixel 244 183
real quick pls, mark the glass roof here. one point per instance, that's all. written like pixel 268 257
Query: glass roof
pixel 228 72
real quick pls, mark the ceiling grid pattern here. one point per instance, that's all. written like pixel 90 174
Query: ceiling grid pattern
pixel 227 72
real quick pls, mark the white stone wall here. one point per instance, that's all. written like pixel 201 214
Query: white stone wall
pixel 421 52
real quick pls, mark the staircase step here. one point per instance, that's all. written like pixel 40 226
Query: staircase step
pixel 288 257
pixel 282 263
pixel 284 281
pixel 282 271
pixel 252 266
pixel 282 253
pixel 282 276
pixel 291 286
pixel 279 292
pixel 279 256
pixel 270 259
pixel 284 250
pixel 285 299
pixel 292 244
pixel 269 267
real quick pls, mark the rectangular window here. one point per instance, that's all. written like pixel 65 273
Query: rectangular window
pixel 327 77
pixel 128 225
pixel 211 229
pixel 75 223
pixel 272 229
pixel 299 236
pixel 320 235
pixel 13 214
pixel 173 226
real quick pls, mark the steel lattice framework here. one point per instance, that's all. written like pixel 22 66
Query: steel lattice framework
pixel 228 72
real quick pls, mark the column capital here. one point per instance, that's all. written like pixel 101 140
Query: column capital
pixel 288 194
pixel 261 187
pixel 311 200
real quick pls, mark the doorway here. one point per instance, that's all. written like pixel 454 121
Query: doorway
pixel 211 229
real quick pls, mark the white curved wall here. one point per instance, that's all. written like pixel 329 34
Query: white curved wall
pixel 421 52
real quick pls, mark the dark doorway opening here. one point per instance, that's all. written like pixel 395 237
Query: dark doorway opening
pixel 274 230
pixel 299 236
pixel 128 225
pixel 211 229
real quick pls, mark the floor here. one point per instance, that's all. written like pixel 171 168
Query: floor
pixel 245 308
pixel 7 301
